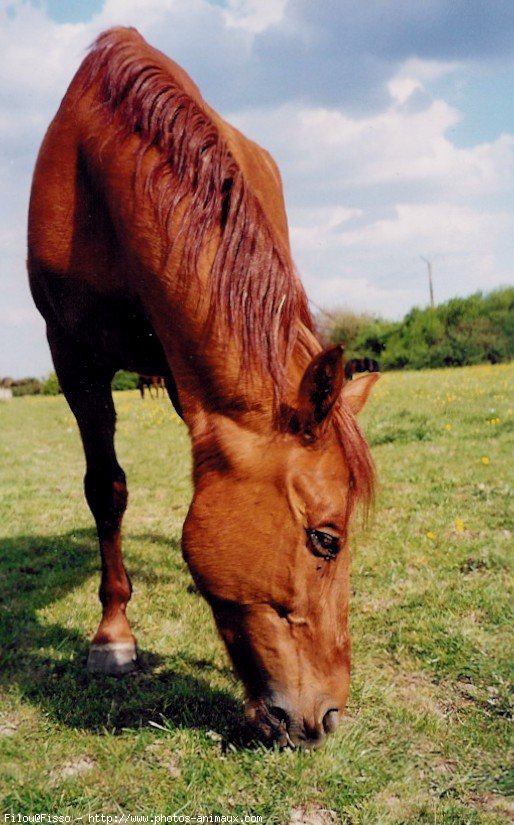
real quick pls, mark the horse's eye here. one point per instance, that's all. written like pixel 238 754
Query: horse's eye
pixel 323 544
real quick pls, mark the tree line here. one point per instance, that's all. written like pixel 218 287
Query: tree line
pixel 123 380
pixel 463 331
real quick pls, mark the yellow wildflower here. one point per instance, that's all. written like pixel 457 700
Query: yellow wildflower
pixel 459 525
pixel 485 459
pixel 430 535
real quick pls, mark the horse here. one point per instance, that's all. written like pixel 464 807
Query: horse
pixel 151 382
pixel 158 243
pixel 360 365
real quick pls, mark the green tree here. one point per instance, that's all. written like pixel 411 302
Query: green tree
pixel 51 385
pixel 124 380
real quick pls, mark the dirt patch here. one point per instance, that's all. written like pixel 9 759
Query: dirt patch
pixel 165 758
pixel 377 605
pixel 73 768
pixel 313 816
pixel 8 727
pixel 492 803
pixel 419 693
pixel 397 809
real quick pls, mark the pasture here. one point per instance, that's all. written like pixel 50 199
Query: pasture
pixel 426 734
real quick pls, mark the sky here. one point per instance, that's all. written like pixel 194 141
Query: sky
pixel 392 122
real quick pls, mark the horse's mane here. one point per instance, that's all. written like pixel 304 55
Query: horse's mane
pixel 254 287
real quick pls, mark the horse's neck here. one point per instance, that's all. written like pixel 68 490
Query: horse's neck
pixel 213 382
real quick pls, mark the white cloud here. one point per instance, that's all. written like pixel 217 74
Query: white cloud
pixel 36 55
pixel 358 294
pixel 16 316
pixel 430 225
pixel 379 263
pixel 414 73
pixel 254 15
pixel 394 147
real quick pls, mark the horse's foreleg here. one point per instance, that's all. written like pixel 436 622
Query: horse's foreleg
pixel 113 649
pixel 88 393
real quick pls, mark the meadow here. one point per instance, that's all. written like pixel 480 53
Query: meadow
pixel 426 735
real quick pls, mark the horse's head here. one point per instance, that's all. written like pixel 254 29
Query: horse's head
pixel 266 541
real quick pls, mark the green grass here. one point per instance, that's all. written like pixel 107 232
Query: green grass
pixel 425 738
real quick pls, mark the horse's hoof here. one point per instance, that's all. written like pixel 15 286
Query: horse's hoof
pixel 113 658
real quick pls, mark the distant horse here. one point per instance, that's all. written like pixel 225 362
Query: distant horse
pixel 151 382
pixel 158 243
pixel 360 365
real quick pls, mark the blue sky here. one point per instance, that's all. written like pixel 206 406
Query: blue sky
pixel 70 11
pixel 392 123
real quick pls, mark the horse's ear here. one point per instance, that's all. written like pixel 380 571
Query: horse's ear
pixel 356 392
pixel 319 390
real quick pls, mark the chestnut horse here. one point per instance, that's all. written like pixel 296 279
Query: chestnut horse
pixel 158 243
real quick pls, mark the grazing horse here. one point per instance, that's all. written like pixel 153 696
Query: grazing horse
pixel 360 365
pixel 158 243
pixel 151 382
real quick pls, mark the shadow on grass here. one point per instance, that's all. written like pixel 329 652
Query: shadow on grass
pixel 46 663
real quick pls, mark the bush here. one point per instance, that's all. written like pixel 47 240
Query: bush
pixel 124 380
pixel 26 386
pixel 341 326
pixel 51 385
pixel 473 330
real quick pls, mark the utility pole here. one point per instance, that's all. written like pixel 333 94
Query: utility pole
pixel 430 284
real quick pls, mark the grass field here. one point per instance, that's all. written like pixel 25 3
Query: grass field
pixel 426 735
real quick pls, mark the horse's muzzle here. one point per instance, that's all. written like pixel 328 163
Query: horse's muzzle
pixel 278 722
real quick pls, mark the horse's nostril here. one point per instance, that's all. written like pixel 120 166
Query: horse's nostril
pixel 281 723
pixel 330 720
pixel 279 715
